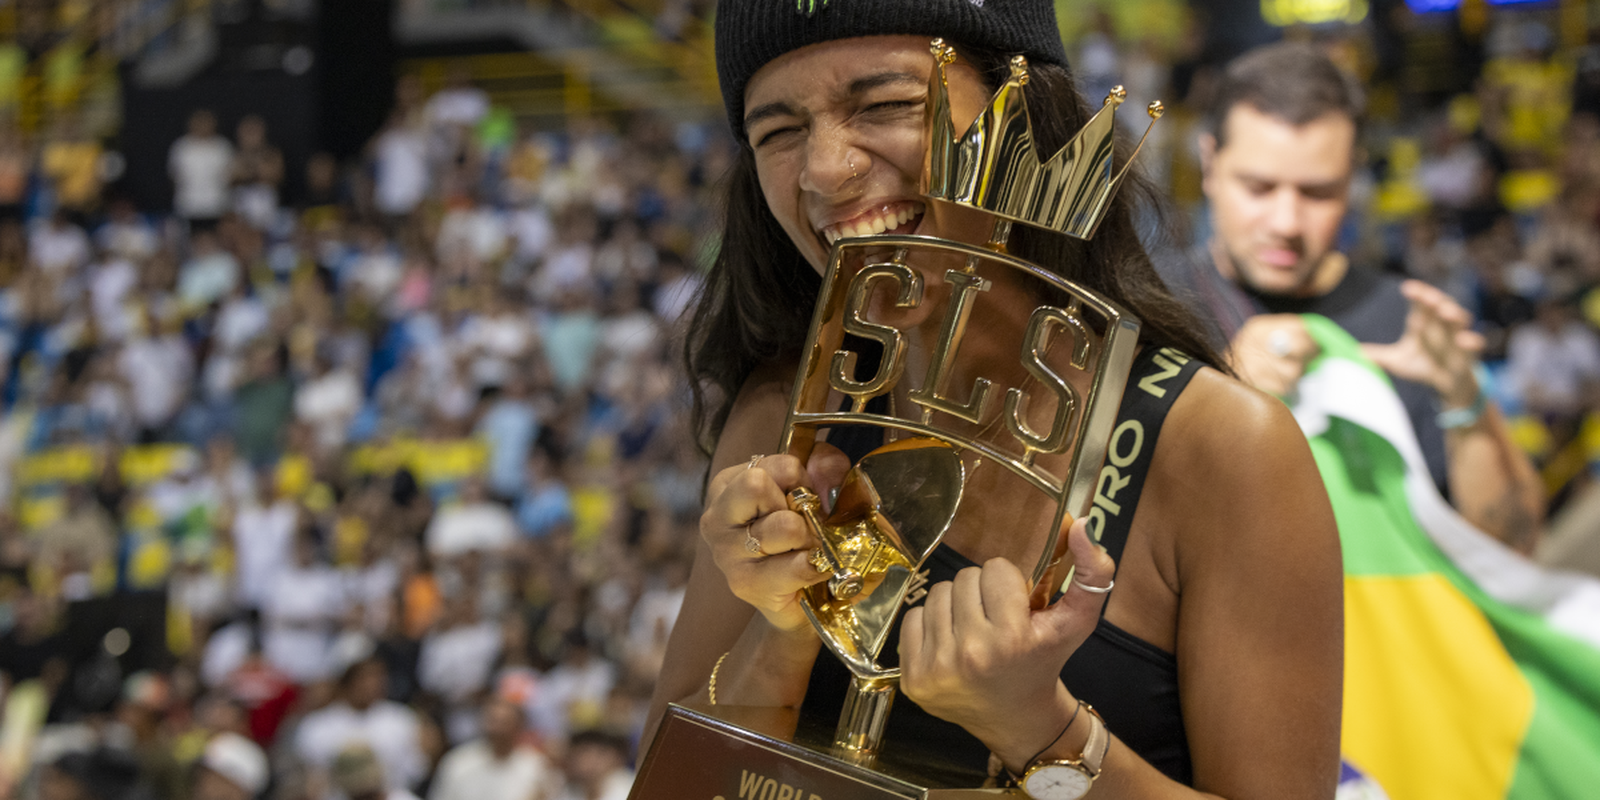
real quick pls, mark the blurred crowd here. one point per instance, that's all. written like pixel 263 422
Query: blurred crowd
pixel 403 461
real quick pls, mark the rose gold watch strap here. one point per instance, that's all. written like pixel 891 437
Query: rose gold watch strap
pixel 1099 743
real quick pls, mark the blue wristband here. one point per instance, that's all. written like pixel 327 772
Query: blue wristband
pixel 1466 417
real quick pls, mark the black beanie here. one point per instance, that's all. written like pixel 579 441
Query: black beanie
pixel 752 32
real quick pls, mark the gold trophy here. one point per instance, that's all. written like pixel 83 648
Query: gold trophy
pixel 974 429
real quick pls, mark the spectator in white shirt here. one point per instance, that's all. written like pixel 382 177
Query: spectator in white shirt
pixel 362 716
pixel 374 272
pixel 209 274
pixel 1554 364
pixel 125 233
pixel 575 691
pixel 110 283
pixel 256 172
pixel 498 766
pixel 201 164
pixel 400 156
pixel 532 231
pixel 458 103
pixel 473 523
pixel 456 659
pixel 299 614
pixel 372 583
pixel 262 535
pixel 328 402
pixel 495 339
pixel 477 230
pixel 653 617
pixel 58 246
pixel 569 262
pixel 157 366
pixel 597 768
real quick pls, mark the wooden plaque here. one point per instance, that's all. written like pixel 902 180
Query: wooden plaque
pixel 697 756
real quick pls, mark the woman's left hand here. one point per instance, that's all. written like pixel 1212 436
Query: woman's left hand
pixel 977 655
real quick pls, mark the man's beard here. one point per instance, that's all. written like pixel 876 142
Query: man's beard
pixel 1244 279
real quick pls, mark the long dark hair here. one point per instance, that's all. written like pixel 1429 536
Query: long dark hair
pixel 756 305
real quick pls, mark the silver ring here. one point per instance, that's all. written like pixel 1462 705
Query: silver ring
pixel 753 460
pixel 751 543
pixel 1094 589
pixel 1279 343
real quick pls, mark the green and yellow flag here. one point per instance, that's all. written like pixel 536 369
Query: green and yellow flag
pixel 1470 672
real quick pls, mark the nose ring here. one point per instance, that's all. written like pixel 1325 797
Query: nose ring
pixel 851 163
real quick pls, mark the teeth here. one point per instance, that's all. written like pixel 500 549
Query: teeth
pixel 871 226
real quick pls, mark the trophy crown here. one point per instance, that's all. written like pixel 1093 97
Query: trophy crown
pixel 993 165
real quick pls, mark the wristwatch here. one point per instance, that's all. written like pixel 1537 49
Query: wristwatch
pixel 1069 779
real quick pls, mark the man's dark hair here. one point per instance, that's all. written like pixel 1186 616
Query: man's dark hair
pixel 602 738
pixel 352 672
pixel 1292 81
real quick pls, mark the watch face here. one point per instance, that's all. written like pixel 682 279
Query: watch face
pixel 1056 782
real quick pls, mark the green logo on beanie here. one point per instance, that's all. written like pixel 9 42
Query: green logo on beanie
pixel 808 7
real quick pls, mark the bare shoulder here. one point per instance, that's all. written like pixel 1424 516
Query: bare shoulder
pixel 1233 468
pixel 1224 429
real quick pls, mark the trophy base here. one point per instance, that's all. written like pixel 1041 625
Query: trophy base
pixel 736 753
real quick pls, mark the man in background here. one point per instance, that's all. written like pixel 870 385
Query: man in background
pixel 597 767
pixel 1440 620
pixel 386 731
pixel 497 766
pixel 1277 159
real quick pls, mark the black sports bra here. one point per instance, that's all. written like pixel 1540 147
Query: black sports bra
pixel 1132 683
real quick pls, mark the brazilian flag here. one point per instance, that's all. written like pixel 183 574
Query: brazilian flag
pixel 1470 672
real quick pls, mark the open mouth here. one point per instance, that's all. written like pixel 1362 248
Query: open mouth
pixel 895 218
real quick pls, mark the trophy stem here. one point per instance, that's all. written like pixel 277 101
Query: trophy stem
pixel 866 711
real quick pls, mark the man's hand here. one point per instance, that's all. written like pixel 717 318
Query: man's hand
pixel 1438 348
pixel 1492 483
pixel 1270 352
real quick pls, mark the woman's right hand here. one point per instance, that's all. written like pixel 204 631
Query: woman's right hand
pixel 750 501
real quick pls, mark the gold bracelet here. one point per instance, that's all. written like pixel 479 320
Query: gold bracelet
pixel 711 689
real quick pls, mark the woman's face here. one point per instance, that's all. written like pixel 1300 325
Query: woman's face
pixel 837 131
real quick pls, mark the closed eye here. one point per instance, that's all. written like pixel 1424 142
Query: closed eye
pixel 892 108
pixel 1322 191
pixel 1259 188
pixel 775 134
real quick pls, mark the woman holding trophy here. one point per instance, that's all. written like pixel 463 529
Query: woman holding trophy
pixel 1215 665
